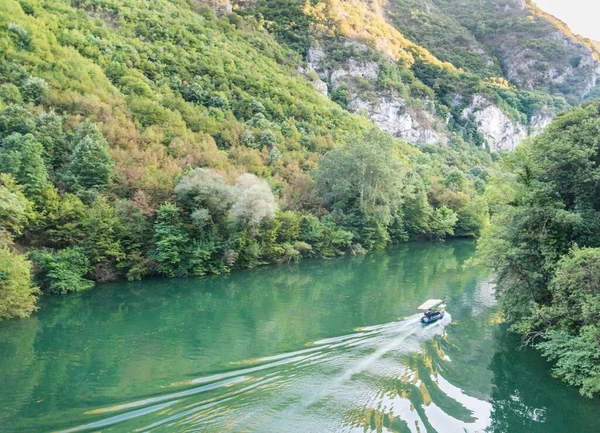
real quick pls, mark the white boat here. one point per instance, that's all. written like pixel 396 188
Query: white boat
pixel 430 315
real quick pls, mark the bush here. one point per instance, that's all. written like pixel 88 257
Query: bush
pixel 62 271
pixel 254 201
pixel 17 293
pixel 34 90
pixel 9 94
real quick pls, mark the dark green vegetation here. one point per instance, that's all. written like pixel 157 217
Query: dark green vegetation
pixel 130 348
pixel 155 138
pixel 544 244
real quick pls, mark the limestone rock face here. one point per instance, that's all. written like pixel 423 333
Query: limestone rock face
pixel 386 109
pixel 540 120
pixel 389 113
pixel 500 132
pixel 355 68
pixel 579 76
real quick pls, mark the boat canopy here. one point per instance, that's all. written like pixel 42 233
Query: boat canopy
pixel 431 303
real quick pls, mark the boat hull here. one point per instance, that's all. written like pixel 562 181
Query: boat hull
pixel 427 320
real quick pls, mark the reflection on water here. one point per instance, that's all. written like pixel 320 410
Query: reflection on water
pixel 324 346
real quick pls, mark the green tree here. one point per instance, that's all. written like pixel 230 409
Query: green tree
pixel 16 211
pixel 90 166
pixel 62 271
pixel 63 222
pixel 17 292
pixel 204 189
pixel 547 290
pixel 362 181
pixel 102 230
pixel 573 336
pixel 50 132
pixel 10 94
pixel 16 118
pixel 34 89
pixel 22 156
pixel 170 241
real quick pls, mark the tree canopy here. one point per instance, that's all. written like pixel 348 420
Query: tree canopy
pixel 543 244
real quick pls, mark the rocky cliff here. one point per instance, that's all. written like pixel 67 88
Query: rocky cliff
pixel 489 71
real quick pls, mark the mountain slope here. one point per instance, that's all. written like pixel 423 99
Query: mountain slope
pixel 536 50
pixel 365 58
pixel 156 138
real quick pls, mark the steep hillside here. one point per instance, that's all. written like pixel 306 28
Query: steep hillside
pixel 370 59
pixel 535 50
pixel 159 138
pixel 509 38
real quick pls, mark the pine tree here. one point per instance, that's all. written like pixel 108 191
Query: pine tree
pixel 90 166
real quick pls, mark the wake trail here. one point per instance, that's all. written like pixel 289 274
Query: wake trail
pixel 275 385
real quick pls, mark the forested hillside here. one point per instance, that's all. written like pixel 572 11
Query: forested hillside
pixel 544 246
pixel 183 138
pixel 155 138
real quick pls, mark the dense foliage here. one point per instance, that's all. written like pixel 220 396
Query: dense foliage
pixel 156 138
pixel 544 246
pixel 17 295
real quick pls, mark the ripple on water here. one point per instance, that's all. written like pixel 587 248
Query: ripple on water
pixel 335 384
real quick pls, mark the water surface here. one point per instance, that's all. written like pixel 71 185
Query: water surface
pixel 322 346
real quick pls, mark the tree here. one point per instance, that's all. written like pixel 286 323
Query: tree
pixel 548 290
pixel 102 230
pixel 50 132
pixel 10 94
pixel 17 293
pixel 63 222
pixel 443 222
pixel 62 271
pixel 254 201
pixel 15 209
pixel 34 89
pixel 90 166
pixel 204 189
pixel 170 241
pixel 21 156
pixel 573 338
pixel 362 181
pixel 16 118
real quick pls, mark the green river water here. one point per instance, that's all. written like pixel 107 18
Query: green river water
pixel 322 346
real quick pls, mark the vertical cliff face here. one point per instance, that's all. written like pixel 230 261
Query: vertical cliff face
pixel 500 132
pixel 357 76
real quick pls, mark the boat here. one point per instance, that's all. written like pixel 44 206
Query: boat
pixel 433 310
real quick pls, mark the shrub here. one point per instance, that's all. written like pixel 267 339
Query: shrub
pixel 62 271
pixel 34 90
pixel 254 201
pixel 17 293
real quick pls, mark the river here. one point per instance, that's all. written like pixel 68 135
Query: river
pixel 321 346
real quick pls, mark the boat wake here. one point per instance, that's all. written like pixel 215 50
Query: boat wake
pixel 379 377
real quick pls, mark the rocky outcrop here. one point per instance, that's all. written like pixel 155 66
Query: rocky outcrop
pixel 577 76
pixel 500 132
pixel 390 114
pixel 355 69
pixel 386 109
pixel 540 120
